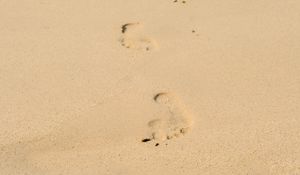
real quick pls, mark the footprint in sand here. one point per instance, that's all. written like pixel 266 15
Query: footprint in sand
pixel 175 122
pixel 134 37
pixel 182 1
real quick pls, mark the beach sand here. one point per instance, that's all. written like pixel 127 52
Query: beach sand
pixel 148 87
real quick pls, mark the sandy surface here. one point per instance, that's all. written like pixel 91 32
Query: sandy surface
pixel 148 87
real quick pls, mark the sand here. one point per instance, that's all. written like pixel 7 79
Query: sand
pixel 148 87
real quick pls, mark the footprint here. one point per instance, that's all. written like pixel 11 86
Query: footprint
pixel 182 1
pixel 134 37
pixel 175 122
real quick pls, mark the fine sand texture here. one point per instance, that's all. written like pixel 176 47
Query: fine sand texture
pixel 149 87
